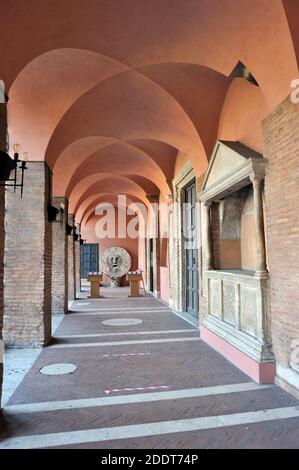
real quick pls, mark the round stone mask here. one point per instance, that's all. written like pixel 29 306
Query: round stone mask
pixel 115 262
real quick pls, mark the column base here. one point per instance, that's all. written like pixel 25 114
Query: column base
pixel 262 373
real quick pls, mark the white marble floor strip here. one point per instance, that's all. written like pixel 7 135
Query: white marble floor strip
pixel 80 313
pixel 119 309
pixel 122 343
pixel 134 398
pixel 128 333
pixel 147 429
pixel 86 313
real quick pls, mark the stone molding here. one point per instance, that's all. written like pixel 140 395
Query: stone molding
pixel 246 296
pixel 184 176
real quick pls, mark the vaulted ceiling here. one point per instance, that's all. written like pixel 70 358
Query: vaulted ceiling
pixel 112 93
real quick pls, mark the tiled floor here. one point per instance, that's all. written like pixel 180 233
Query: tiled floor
pixel 149 385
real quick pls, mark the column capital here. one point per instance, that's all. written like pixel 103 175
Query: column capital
pixel 256 178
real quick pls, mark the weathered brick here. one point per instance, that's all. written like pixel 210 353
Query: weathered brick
pixel 28 261
pixel 281 148
pixel 77 266
pixel 60 260
pixel 71 262
pixel 3 126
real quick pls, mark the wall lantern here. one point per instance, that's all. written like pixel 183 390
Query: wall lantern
pixel 53 213
pixel 8 164
pixel 69 228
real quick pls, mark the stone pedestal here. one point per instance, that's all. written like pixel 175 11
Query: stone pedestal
pixel 95 280
pixel 237 321
pixel 28 261
pixel 134 280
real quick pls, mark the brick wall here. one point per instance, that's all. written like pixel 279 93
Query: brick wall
pixel 2 202
pixel 3 126
pixel 71 262
pixel 28 261
pixel 281 148
pixel 78 266
pixel 59 260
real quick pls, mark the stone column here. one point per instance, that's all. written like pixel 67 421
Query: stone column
pixel 60 258
pixel 28 261
pixel 207 242
pixel 178 247
pixel 261 269
pixel 71 262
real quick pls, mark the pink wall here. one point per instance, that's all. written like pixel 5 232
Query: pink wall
pixel 130 244
pixel 164 284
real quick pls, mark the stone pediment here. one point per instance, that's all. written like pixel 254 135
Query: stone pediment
pixel 230 168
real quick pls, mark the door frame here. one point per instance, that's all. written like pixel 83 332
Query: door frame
pixel 151 265
pixel 81 261
pixel 184 254
pixel 182 179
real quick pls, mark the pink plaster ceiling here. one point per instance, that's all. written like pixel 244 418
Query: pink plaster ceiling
pixel 138 33
pixel 163 154
pixel 243 111
pixel 119 158
pixel 71 158
pixel 89 204
pixel 106 183
pixel 46 88
pixel 96 179
pixel 89 77
pixel 199 90
pixel 106 199
pixel 128 106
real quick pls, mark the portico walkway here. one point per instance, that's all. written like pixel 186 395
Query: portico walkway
pixel 144 380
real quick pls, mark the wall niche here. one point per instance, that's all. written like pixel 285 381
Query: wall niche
pixel 234 248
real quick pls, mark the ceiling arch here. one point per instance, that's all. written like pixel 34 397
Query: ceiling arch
pixel 128 106
pixel 119 158
pixel 77 152
pixel 198 89
pixel 71 157
pixel 96 180
pixel 150 31
pixel 104 183
pixel 44 90
pixel 292 14
pixel 242 113
pixel 108 198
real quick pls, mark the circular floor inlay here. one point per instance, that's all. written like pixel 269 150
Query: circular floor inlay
pixel 58 369
pixel 122 321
